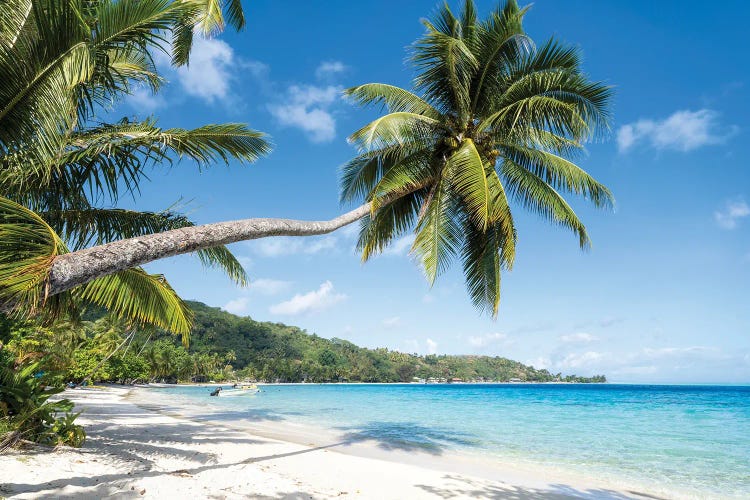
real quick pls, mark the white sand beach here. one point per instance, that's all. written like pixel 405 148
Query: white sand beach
pixel 135 452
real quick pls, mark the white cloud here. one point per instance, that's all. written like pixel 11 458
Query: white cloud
pixel 236 306
pixel 540 363
pixel 307 107
pixel 267 286
pixel 328 69
pixel 580 337
pixel 400 246
pixel 392 322
pixel 316 300
pixel 672 352
pixel 580 360
pixel 648 363
pixel 142 99
pixel 431 346
pixel 209 74
pixel 733 211
pixel 682 131
pixel 485 340
pixel 411 345
pixel 275 247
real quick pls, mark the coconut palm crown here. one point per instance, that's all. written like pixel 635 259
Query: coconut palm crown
pixel 493 120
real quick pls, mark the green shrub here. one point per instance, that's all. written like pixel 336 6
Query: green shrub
pixel 27 413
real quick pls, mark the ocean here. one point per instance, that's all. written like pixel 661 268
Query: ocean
pixel 694 440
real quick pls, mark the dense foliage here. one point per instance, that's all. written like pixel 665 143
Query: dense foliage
pixel 494 120
pixel 225 346
pixel 27 382
pixel 66 64
pixel 278 352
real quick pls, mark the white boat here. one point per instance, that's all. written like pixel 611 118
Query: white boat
pixel 239 391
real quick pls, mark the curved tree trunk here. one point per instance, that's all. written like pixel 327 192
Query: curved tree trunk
pixel 76 268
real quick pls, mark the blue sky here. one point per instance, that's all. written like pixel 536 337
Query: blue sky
pixel 661 297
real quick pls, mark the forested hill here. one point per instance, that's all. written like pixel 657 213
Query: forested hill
pixel 278 352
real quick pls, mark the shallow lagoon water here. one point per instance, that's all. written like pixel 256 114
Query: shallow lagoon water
pixel 695 439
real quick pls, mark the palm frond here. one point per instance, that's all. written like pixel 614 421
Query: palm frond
pixel 207 18
pixel 540 198
pixel 476 184
pixel 83 226
pixel 484 257
pixel 112 157
pixel 143 298
pixel 28 245
pixel 445 66
pixel 222 258
pixel 406 175
pixel 559 173
pixel 394 129
pixel 378 229
pixel 135 22
pixel 501 41
pixel 39 74
pixel 362 173
pixel 438 234
pixel 394 99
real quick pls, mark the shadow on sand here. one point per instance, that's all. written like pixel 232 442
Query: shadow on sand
pixel 135 450
pixel 407 436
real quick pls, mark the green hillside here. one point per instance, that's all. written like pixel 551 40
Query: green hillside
pixel 279 352
pixel 224 346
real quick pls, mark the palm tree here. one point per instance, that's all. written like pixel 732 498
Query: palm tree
pixel 494 120
pixel 64 60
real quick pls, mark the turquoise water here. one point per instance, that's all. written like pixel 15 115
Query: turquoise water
pixel 692 438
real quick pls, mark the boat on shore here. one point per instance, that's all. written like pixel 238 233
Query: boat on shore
pixel 237 390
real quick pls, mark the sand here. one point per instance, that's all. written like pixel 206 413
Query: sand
pixel 135 452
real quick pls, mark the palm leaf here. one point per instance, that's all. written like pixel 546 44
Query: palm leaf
pixel 539 197
pixel 28 245
pixel 559 173
pixel 393 129
pixel 395 99
pixel 145 299
pixel 484 258
pixel 476 184
pixel 379 229
pixel 437 232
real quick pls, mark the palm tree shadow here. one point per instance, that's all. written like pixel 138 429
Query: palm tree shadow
pixel 407 436
pixel 462 487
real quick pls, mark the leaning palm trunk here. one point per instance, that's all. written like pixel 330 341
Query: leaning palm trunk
pixel 76 268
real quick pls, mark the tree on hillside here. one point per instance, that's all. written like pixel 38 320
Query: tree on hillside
pixel 494 119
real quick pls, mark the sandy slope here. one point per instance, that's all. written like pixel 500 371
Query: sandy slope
pixel 134 452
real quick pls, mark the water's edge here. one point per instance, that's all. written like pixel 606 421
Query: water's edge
pixel 290 428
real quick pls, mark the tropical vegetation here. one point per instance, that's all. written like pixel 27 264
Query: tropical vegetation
pixel 494 120
pixel 228 347
pixel 64 64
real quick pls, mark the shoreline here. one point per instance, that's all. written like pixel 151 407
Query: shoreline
pixel 482 464
pixel 135 451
